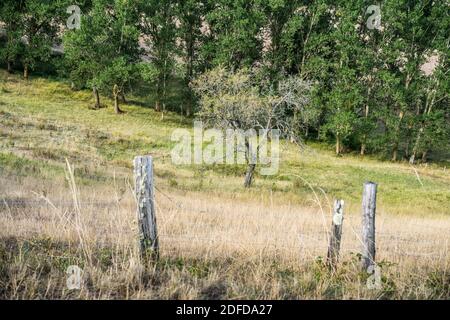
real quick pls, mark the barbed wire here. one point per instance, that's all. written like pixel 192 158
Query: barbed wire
pixel 178 204
pixel 319 243
pixel 42 203
pixel 18 203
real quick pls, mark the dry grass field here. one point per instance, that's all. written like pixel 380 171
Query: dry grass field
pixel 217 240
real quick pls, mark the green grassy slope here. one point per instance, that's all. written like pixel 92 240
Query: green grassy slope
pixel 43 122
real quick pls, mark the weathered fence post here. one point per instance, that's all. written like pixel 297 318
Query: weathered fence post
pixel 145 197
pixel 368 224
pixel 336 234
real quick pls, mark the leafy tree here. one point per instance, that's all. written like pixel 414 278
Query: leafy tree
pixel 116 75
pixel 40 23
pixel 341 116
pixel 344 97
pixel 104 53
pixel 306 48
pixel 11 12
pixel 231 100
pixel 159 29
pixel 190 14
pixel 83 49
pixel 431 127
pixel 406 25
pixel 370 89
pixel 235 38
pixel 278 17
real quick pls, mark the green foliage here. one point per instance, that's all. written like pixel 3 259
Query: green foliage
pixel 104 52
pixel 10 15
pixel 373 90
pixel 100 141
pixel 40 22
pixel 232 100
pixel 234 28
pixel 158 27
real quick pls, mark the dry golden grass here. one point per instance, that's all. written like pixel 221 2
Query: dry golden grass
pixel 211 247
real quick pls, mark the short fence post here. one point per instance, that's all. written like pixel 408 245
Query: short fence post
pixel 368 224
pixel 336 234
pixel 145 197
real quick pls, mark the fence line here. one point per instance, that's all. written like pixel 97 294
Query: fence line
pixel 297 248
pixel 43 203
pixel 331 239
pixel 4 203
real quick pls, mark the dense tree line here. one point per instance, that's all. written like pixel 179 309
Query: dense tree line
pixel 372 90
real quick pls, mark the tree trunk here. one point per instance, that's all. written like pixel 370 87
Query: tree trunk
pixel 395 150
pixel 397 138
pixel 408 80
pixel 424 156
pixel 158 106
pixel 116 105
pixel 363 148
pixel 9 67
pixel 364 137
pixel 190 44
pixel 96 97
pixel 338 145
pixel 116 93
pixel 188 109
pixel 164 88
pixel 428 107
pixel 407 146
pixel 394 153
pixel 416 147
pixel 25 71
pixel 251 163
pixel 249 175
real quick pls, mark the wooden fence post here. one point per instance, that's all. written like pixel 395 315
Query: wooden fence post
pixel 368 224
pixel 336 234
pixel 145 197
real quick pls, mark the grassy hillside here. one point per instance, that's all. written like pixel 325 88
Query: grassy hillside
pixel 43 122
pixel 218 239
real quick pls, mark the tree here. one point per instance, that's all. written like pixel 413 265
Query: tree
pixel 234 34
pixel 344 97
pixel 431 116
pixel 104 53
pixel 122 52
pixel 83 49
pixel 11 12
pixel 407 26
pixel 39 24
pixel 306 48
pixel 117 74
pixel 190 14
pixel 341 117
pixel 278 17
pixel 231 100
pixel 159 29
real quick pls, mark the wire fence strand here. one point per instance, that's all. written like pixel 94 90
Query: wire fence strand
pixel 304 241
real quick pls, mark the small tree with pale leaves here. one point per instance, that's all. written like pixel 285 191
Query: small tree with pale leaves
pixel 232 100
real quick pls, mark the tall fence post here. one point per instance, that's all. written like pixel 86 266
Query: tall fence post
pixel 336 234
pixel 145 197
pixel 368 224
